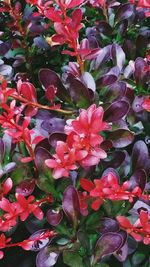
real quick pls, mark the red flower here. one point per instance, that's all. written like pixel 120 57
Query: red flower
pixel 69 3
pixel 83 135
pixel 63 162
pixel 146 104
pixel 3 244
pixel 6 187
pixel 140 230
pixel 9 219
pixel 28 206
pixel 101 3
pixel 141 3
pixel 82 145
pixel 108 188
pixel 90 121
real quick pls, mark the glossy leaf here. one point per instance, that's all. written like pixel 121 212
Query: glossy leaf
pixel 107 244
pixel 138 178
pixel 108 225
pixel 70 204
pixel 79 92
pixel 54 217
pixel 140 156
pixel 116 111
pixel 121 138
pixel 26 187
pixel 54 137
pixel 41 154
pixel 48 77
pixel 124 12
pixel 118 55
pixel 46 259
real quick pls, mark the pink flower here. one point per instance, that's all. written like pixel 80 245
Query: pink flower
pixel 3 244
pixel 140 230
pixel 6 187
pixel 146 104
pixel 89 121
pixel 83 135
pixel 82 146
pixel 108 187
pixel 63 162
pixel 28 206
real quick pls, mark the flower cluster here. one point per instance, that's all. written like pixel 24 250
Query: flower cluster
pixel 22 208
pixel 108 187
pixel 82 145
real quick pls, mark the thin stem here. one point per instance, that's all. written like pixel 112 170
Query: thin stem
pixel 45 107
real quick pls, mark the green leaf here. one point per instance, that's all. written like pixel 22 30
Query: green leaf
pixel 101 265
pixel 138 258
pixel 45 183
pixel 72 259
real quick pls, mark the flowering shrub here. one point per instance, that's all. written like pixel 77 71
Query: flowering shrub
pixel 74 133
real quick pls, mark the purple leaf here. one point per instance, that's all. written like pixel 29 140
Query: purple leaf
pixel 107 244
pixel 26 187
pixel 122 253
pixel 40 42
pixel 70 204
pixel 41 154
pixel 140 74
pixel 46 259
pixel 54 217
pixel 53 125
pixel 116 111
pixel 138 178
pixel 137 104
pixel 121 138
pixel 48 77
pixel 140 156
pixel 108 225
pixel 79 92
pixel 104 28
pixel 36 28
pixel 114 159
pixel 116 92
pixel 2 150
pixel 6 71
pixel 4 48
pixel 118 56
pixel 104 56
pixel 125 12
pixel 54 137
pixel 11 166
pixel 129 48
pixel 88 81
pixel 109 77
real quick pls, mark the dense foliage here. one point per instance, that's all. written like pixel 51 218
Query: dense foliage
pixel 74 133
